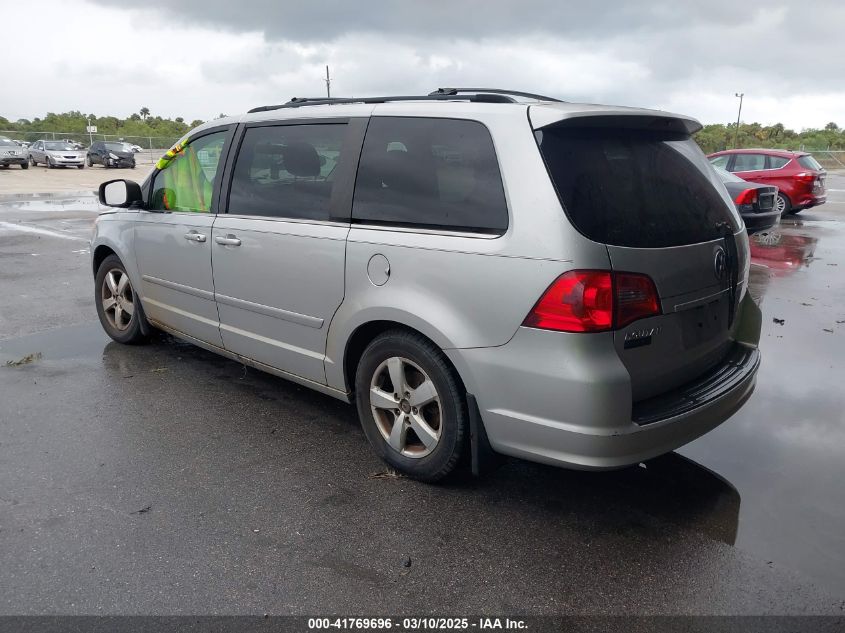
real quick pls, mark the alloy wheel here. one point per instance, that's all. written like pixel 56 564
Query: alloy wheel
pixel 117 299
pixel 406 407
pixel 780 204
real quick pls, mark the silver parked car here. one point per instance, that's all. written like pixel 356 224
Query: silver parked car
pixel 479 271
pixel 12 154
pixel 56 154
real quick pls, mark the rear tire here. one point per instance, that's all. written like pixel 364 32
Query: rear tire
pixel 429 405
pixel 118 307
pixel 783 204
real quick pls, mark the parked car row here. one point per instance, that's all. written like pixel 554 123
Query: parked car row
pixel 798 176
pixel 66 154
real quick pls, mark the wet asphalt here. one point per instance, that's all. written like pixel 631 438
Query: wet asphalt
pixel 163 479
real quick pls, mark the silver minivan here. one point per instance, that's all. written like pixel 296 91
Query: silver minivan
pixel 480 271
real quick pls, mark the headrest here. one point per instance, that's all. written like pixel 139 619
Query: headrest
pixel 301 159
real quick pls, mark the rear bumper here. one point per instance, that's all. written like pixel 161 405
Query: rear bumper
pixel 755 222
pixel 805 201
pixel 566 400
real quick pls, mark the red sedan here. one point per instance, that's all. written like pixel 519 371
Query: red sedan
pixel 797 175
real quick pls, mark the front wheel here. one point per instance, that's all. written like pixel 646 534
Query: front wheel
pixel 80 166
pixel 49 163
pixel 118 307
pixel 411 405
pixel 25 165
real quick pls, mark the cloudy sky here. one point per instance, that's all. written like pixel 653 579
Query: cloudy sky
pixel 198 58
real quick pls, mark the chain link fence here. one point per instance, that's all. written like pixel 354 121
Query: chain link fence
pixel 153 146
pixel 829 159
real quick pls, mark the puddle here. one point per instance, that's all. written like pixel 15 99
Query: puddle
pixel 64 203
pixel 77 341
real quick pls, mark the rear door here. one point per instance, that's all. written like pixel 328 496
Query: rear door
pixel 278 254
pixel 659 207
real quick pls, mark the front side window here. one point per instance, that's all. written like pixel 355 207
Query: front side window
pixel 427 172
pixel 187 176
pixel 287 171
pixel 749 162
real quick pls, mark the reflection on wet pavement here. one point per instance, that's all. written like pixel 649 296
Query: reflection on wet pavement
pixel 785 450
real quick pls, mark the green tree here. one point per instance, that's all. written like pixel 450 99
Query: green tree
pixel 145 112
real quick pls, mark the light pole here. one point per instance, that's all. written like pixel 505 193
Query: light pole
pixel 738 114
pixel 328 81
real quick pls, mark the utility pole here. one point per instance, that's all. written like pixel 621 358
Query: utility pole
pixel 328 81
pixel 738 114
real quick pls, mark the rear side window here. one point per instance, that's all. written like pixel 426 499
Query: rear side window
pixel 776 162
pixel 431 173
pixel 808 162
pixel 748 162
pixel 634 187
pixel 720 161
pixel 287 171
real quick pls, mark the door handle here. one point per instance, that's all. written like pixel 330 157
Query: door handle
pixel 229 240
pixel 194 236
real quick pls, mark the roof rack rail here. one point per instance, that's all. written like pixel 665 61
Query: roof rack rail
pixel 501 96
pixel 492 91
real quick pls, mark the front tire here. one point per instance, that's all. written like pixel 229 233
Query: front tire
pixel 24 165
pixel 49 164
pixel 412 405
pixel 32 161
pixel 118 307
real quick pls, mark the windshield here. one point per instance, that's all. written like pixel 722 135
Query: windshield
pixel 7 141
pixel 636 188
pixel 58 146
pixel 118 147
pixel 727 176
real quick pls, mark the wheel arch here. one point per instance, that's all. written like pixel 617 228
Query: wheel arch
pixel 99 255
pixel 366 332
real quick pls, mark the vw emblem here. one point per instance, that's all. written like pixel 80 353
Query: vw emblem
pixel 720 263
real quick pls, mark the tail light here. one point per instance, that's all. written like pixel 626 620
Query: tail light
pixel 749 196
pixel 806 177
pixel 594 301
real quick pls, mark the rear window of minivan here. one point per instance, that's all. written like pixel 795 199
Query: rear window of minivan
pixel 636 188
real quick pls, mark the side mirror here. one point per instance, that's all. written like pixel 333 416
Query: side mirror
pixel 120 193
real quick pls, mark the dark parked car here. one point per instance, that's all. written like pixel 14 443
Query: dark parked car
pixel 755 202
pixel 111 154
pixel 797 175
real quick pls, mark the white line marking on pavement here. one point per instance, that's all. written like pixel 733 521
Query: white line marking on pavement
pixel 23 228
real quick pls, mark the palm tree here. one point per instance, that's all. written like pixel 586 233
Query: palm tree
pixel 145 112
